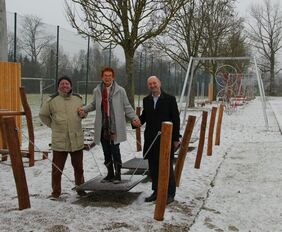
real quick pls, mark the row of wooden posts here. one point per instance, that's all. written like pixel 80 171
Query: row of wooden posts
pixel 165 148
pixel 13 143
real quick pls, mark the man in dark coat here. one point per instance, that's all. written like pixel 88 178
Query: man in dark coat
pixel 158 107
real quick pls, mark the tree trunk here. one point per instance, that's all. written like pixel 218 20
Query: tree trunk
pixel 129 75
pixel 272 73
pixel 3 32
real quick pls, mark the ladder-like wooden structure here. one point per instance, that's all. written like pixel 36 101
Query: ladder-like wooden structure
pixel 29 152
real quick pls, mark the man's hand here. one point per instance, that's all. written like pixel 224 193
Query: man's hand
pixel 176 145
pixel 81 112
pixel 136 122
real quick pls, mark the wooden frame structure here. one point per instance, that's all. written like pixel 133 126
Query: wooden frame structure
pixel 28 153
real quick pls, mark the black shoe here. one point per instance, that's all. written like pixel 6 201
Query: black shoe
pixel 81 193
pixel 117 179
pixel 151 198
pixel 169 200
pixel 108 178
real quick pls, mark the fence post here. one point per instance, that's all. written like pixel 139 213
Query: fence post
pixel 218 125
pixel 164 162
pixel 184 148
pixel 211 129
pixel 201 139
pixel 138 131
pixel 17 163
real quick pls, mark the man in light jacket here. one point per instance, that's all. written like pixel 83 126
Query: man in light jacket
pixel 112 105
pixel 59 113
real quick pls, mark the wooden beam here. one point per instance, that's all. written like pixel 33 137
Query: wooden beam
pixel 13 143
pixel 184 148
pixel 138 131
pixel 164 162
pixel 201 140
pixel 218 125
pixel 211 130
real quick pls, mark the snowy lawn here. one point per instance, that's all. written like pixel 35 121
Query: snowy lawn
pixel 238 188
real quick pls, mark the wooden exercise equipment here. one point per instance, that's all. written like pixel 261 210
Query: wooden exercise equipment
pixel 138 131
pixel 201 140
pixel 211 129
pixel 184 148
pixel 164 162
pixel 29 152
pixel 10 81
pixel 218 125
pixel 11 137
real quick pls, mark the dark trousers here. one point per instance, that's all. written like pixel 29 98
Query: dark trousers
pixel 59 159
pixel 154 172
pixel 111 151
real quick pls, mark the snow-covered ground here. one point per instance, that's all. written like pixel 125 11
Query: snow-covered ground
pixel 238 188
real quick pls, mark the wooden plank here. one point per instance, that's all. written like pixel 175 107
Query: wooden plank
pixel 136 163
pixel 10 76
pixel 127 183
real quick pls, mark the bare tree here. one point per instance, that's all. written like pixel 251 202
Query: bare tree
pixel 3 32
pixel 127 23
pixel 203 28
pixel 34 38
pixel 266 36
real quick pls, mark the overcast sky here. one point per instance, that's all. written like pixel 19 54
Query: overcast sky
pixel 53 11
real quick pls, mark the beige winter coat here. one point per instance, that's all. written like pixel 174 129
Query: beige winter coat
pixel 59 113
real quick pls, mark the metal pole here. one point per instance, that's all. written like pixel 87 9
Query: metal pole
pixel 176 79
pixel 139 81
pixel 262 94
pixel 185 81
pixel 110 55
pixel 87 69
pixel 57 56
pixel 152 64
pixel 15 37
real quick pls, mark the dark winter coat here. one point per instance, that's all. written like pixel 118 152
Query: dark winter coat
pixel 166 110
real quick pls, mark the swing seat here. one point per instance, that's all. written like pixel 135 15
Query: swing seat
pixel 136 163
pixel 127 183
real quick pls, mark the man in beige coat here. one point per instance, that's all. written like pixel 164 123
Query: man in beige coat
pixel 59 113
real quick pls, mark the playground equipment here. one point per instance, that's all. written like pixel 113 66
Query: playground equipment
pixel 10 132
pixel 28 153
pixel 190 72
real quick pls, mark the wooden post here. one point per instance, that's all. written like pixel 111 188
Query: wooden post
pixel 13 143
pixel 4 145
pixel 29 123
pixel 184 148
pixel 210 92
pixel 218 125
pixel 165 149
pixel 138 131
pixel 211 129
pixel 201 139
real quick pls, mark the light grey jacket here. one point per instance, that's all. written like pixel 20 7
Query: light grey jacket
pixel 121 108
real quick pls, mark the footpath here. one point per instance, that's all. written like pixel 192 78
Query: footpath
pixel 246 194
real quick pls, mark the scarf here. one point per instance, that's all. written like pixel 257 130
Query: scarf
pixel 108 127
